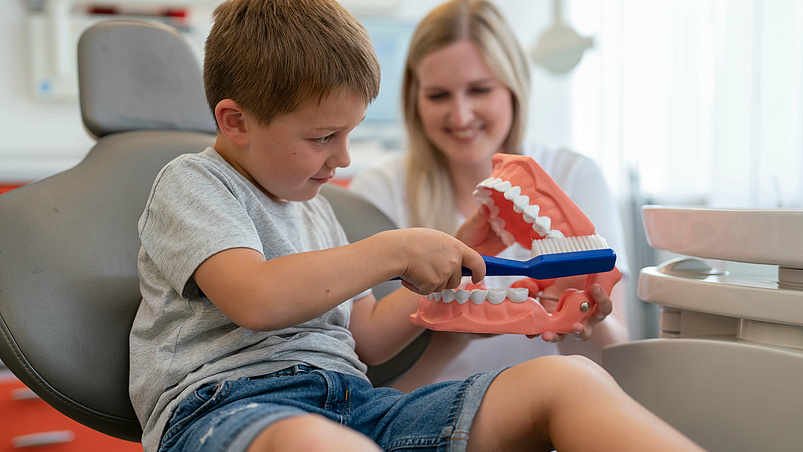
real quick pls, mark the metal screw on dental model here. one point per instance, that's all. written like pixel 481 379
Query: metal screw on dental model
pixel 584 306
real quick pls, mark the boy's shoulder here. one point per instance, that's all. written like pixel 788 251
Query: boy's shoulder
pixel 206 158
pixel 189 167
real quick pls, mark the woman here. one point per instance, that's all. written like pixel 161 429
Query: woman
pixel 465 92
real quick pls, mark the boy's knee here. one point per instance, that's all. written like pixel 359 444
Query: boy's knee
pixel 310 433
pixel 566 369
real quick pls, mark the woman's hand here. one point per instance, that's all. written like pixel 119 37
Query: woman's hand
pixel 476 232
pixel 604 307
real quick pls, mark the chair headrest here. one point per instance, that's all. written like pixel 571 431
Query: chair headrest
pixel 135 75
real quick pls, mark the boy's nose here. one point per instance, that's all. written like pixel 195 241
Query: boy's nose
pixel 341 157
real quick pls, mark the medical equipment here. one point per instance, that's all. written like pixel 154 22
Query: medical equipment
pixel 726 368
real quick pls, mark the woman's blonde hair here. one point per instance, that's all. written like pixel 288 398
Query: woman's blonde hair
pixel 430 199
pixel 271 56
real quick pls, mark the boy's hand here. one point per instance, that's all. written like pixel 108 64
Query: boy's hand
pixel 476 232
pixel 433 260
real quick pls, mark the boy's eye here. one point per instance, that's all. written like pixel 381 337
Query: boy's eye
pixel 324 140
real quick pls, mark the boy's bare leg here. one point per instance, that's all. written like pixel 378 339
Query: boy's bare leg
pixel 567 403
pixel 311 433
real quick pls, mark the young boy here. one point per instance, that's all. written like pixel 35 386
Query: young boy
pixel 257 321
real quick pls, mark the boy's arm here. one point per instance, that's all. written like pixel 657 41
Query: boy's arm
pixel 261 294
pixel 382 329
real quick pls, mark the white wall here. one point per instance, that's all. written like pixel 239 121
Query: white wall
pixel 43 137
pixel 36 137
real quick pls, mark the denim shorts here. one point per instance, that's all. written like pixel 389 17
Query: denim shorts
pixel 228 416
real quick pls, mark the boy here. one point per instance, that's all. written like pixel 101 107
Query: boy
pixel 256 323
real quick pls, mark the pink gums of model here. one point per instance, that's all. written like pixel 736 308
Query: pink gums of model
pixel 527 207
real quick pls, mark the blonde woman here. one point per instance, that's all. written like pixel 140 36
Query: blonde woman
pixel 465 92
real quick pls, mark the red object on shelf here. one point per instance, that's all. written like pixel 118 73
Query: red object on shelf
pixel 178 13
pixel 5 188
pixel 103 9
pixel 28 423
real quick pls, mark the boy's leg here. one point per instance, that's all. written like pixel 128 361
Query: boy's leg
pixel 310 433
pixel 566 403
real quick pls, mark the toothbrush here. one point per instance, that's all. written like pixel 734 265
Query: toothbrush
pixel 556 258
pixel 555 265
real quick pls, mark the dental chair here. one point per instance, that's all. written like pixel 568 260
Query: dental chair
pixel 726 369
pixel 68 243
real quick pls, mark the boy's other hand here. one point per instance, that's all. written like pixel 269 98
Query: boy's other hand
pixel 433 260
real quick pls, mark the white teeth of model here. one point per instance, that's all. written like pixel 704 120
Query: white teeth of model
pixel 478 296
pixel 492 182
pixel 482 194
pixel 437 296
pixel 448 295
pixel 512 193
pixel 494 209
pixel 518 294
pixel 503 186
pixel 461 295
pixel 486 182
pixel 496 296
pixel 497 223
pixel 555 234
pixel 542 225
pixel 520 203
pixel 531 213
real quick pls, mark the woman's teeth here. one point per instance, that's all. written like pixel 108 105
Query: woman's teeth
pixel 464 134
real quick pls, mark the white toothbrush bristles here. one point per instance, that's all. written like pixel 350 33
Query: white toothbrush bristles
pixel 552 245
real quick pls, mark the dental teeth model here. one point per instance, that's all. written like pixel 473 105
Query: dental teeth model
pixel 527 207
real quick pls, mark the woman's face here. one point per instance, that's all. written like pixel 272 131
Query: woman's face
pixel 466 111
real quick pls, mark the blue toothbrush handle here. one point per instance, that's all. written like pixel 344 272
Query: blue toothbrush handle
pixel 498 266
pixel 547 266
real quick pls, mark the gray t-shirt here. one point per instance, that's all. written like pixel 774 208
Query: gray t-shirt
pixel 199 205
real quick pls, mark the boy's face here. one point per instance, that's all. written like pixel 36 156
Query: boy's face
pixel 291 158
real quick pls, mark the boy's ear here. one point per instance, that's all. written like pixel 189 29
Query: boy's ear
pixel 231 121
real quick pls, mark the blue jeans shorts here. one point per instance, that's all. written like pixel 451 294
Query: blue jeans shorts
pixel 228 416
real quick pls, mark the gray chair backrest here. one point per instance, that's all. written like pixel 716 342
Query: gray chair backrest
pixel 68 243
pixel 139 76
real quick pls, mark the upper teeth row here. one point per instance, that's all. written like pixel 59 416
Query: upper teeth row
pixel 521 204
pixel 477 296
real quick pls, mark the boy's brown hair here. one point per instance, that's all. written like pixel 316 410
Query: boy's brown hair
pixel 271 56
